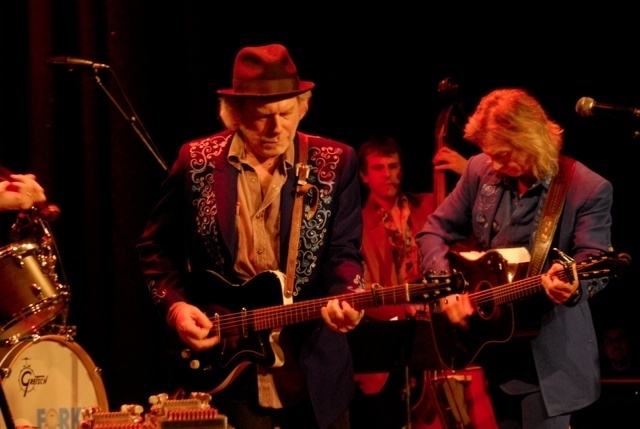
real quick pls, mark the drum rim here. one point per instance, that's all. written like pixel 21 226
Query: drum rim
pixel 92 369
pixel 61 298
pixel 19 246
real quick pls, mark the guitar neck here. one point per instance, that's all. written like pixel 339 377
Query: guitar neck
pixel 267 318
pixel 514 291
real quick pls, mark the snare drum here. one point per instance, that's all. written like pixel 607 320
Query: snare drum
pixel 48 381
pixel 30 298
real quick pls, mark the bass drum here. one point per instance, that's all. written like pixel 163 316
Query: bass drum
pixel 48 381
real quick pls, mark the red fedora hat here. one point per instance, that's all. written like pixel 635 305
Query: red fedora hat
pixel 265 71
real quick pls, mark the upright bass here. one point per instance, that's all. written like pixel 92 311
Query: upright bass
pixel 449 399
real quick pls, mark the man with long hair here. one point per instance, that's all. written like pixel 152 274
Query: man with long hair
pixel 499 200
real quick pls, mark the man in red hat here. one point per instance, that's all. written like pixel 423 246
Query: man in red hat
pixel 217 244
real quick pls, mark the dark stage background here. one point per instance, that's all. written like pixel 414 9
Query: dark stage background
pixel 376 72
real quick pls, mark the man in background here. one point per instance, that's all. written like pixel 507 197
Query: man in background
pixel 391 218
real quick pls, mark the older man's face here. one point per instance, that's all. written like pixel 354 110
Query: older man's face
pixel 507 160
pixel 268 128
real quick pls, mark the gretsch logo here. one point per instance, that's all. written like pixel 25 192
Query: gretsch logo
pixel 28 379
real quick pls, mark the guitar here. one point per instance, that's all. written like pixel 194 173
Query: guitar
pixel 493 320
pixel 245 325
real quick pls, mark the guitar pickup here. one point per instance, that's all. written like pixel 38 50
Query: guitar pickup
pixel 216 326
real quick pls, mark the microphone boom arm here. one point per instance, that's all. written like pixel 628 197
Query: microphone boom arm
pixel 135 123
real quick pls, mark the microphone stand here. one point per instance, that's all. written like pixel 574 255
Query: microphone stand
pixel 133 119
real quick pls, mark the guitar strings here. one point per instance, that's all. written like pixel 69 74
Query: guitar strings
pixel 518 289
pixel 261 319
pixel 509 292
pixel 265 318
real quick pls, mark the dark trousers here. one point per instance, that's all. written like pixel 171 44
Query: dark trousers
pixel 239 402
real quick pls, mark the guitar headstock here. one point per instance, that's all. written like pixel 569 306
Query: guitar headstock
pixel 444 283
pixel 604 264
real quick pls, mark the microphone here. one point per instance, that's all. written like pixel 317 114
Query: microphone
pixel 587 106
pixel 76 62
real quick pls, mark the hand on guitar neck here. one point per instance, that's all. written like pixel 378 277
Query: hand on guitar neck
pixel 557 289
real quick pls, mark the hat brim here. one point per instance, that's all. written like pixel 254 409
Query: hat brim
pixel 303 87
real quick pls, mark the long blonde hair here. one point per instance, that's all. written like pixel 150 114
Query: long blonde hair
pixel 513 116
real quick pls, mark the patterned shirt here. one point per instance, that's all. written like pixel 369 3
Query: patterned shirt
pixel 403 244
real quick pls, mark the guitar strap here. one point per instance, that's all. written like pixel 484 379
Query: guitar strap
pixel 550 215
pixel 302 188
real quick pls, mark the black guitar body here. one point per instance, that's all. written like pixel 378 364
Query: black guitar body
pixel 248 317
pixel 240 343
pixel 492 322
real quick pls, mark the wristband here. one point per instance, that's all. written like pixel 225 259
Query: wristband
pixel 575 297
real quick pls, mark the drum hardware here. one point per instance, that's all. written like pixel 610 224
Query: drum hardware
pixel 28 276
pixel 62 329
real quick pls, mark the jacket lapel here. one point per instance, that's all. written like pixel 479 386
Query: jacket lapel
pixel 226 183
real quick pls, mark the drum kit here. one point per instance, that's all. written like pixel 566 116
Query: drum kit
pixel 47 378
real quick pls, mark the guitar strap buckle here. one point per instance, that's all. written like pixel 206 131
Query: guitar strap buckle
pixel 302 172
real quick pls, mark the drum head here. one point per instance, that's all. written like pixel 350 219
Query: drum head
pixel 49 381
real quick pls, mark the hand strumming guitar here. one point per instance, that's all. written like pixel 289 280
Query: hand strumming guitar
pixel 457 308
pixel 192 325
